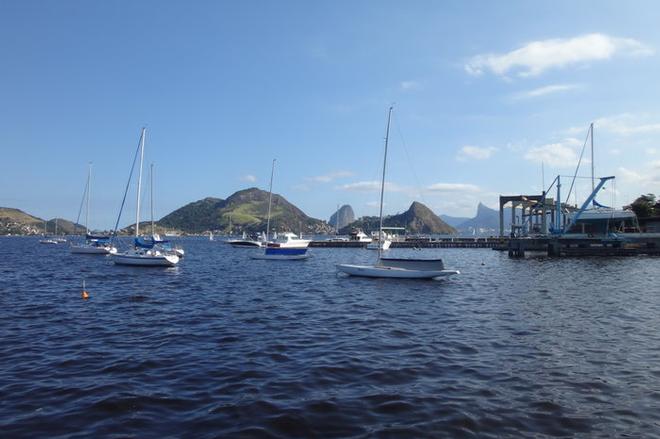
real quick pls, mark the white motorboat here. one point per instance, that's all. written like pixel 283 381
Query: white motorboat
pixel 391 267
pixel 145 253
pixel 288 247
pixel 93 245
pixel 244 242
pixel 379 245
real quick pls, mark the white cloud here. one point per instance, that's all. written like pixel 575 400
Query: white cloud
pixel 371 186
pixel 453 187
pixel 327 178
pixel 475 152
pixel 410 85
pixel 249 178
pixel 547 90
pixel 536 57
pixel 627 124
pixel 559 155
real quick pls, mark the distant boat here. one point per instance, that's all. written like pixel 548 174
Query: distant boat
pixel 145 252
pixel 399 268
pixel 47 239
pixel 288 248
pixel 93 245
pixel 383 242
pixel 245 242
pixel 210 236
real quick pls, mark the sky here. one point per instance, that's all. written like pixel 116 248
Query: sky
pixel 489 98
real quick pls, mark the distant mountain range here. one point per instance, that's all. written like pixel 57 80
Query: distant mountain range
pixel 485 223
pixel 346 216
pixel 417 219
pixel 245 210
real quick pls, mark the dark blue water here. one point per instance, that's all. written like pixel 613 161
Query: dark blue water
pixel 226 346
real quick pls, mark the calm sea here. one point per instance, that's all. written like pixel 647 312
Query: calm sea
pixel 226 346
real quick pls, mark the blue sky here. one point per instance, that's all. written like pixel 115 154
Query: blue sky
pixel 484 92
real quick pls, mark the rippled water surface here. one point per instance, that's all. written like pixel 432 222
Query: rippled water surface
pixel 224 345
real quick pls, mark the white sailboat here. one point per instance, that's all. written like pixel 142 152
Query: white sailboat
pixel 57 238
pixel 144 253
pixel 47 239
pixel 211 236
pixel 93 245
pixel 400 268
pixel 288 248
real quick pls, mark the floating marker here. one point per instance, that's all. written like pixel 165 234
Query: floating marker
pixel 84 294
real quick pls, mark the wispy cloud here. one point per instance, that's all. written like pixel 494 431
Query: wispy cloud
pixel 327 178
pixel 453 187
pixel 546 90
pixel 536 57
pixel 469 152
pixel 410 85
pixel 248 178
pixel 371 186
pixel 628 124
pixel 560 155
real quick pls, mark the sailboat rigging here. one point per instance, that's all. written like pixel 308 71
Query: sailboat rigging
pixel 94 244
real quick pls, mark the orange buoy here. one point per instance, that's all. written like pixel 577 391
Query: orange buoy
pixel 84 294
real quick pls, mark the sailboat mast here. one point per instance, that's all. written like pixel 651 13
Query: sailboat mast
pixel 592 157
pixel 270 199
pixel 89 188
pixel 151 188
pixel 337 221
pixel 139 185
pixel 382 184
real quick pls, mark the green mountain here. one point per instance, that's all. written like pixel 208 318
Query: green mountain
pixel 245 210
pixel 417 219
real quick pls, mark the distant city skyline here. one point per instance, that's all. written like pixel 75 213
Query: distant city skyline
pixel 485 94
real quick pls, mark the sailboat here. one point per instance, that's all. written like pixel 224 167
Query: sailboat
pixel 400 268
pixel 211 236
pixel 290 247
pixel 57 238
pixel 599 219
pixel 94 244
pixel 47 239
pixel 144 253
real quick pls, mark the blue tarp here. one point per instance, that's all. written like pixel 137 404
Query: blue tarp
pixel 139 242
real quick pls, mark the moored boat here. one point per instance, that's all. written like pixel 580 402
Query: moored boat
pixel 398 268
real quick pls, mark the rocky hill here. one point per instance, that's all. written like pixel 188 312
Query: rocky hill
pixel 417 219
pixel 245 210
pixel 16 222
pixel 346 216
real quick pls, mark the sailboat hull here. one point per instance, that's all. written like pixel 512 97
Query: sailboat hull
pixel 144 260
pixel 92 250
pixel 393 272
